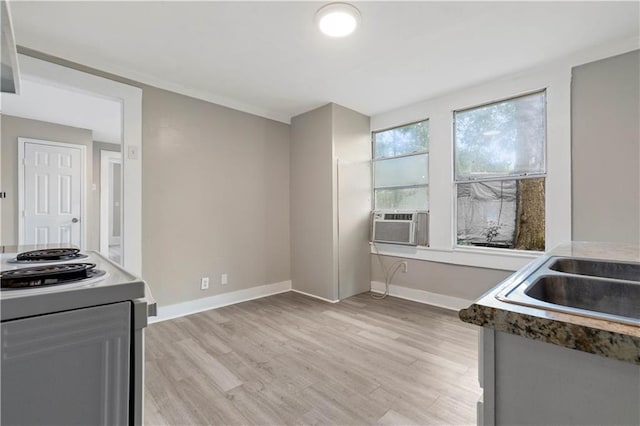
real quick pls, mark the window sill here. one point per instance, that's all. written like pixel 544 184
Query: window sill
pixel 482 258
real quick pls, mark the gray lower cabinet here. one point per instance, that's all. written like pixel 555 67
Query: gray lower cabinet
pixel 67 368
pixel 526 382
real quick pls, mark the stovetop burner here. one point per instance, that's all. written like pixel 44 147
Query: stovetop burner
pixel 49 255
pixel 38 276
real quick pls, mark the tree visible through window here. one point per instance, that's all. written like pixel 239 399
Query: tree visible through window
pixel 500 173
pixel 401 167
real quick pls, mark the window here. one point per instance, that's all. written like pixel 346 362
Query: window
pixel 401 167
pixel 500 172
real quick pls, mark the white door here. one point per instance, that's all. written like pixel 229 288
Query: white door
pixel 51 194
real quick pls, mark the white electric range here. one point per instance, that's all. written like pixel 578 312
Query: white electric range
pixel 72 338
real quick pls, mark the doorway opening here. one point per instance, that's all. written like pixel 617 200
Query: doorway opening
pixel 86 96
pixel 110 205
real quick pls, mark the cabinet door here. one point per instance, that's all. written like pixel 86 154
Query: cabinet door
pixel 68 368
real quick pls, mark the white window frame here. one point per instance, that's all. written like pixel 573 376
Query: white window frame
pixel 556 80
pixel 374 160
pixel 494 178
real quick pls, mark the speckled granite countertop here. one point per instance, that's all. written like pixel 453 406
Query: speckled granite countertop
pixel 606 338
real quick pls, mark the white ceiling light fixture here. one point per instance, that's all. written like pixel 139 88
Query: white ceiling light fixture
pixel 338 19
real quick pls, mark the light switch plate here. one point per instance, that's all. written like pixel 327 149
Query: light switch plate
pixel 132 152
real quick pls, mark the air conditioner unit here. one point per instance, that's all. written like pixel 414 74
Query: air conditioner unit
pixel 408 227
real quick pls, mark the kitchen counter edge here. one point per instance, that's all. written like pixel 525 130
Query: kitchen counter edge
pixel 605 338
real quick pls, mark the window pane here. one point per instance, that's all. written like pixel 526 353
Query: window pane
pixel 401 140
pixel 490 214
pixel 403 171
pixel 402 198
pixel 501 139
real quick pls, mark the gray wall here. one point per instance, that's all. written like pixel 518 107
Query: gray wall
pixel 14 127
pixel 215 183
pixel 313 269
pixel 605 105
pixel 215 197
pixel 464 282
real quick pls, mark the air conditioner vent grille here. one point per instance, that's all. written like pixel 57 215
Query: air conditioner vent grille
pixel 393 232
pixel 398 216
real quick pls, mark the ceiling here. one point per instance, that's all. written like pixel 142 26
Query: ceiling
pixel 267 58
pixel 44 101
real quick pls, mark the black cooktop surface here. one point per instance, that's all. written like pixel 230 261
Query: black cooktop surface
pixel 48 275
pixel 49 255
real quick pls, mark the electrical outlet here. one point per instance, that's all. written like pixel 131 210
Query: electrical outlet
pixel 224 279
pixel 405 266
pixel 204 283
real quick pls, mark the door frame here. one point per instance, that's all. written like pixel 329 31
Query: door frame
pixel 106 160
pixel 22 142
pixel 131 99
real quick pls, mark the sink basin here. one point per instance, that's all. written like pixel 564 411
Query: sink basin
pixel 604 269
pixel 587 287
pixel 605 296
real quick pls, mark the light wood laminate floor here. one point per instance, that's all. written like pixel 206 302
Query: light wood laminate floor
pixel 289 359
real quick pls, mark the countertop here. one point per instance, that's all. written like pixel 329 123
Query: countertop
pixel 606 338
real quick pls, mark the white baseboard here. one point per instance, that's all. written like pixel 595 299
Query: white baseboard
pixel 422 296
pixel 314 296
pixel 233 297
pixel 219 300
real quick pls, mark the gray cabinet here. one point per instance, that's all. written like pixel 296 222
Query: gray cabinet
pixel 330 202
pixel 67 368
pixel 527 382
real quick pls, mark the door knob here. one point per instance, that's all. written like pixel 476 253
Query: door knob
pixel 75 220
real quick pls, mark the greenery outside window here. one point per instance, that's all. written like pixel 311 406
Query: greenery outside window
pixel 401 167
pixel 500 172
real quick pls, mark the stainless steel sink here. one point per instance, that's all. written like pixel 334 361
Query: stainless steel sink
pixel 595 268
pixel 586 287
pixel 608 297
